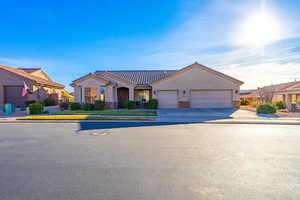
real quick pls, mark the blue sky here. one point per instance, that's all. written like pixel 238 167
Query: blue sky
pixel 71 38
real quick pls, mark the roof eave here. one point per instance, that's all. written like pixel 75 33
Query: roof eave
pixel 203 68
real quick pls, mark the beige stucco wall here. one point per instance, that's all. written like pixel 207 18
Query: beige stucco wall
pixel 41 74
pixel 111 90
pixel 195 79
pixel 123 84
pixel 92 83
pixel 277 97
pixel 77 90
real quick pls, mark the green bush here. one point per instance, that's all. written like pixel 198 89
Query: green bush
pixel 130 105
pixel 64 106
pixel 36 108
pixel 75 106
pixel 280 105
pixel 99 105
pixel 298 103
pixel 266 109
pixel 49 102
pixel 153 104
pixel 88 106
pixel 244 102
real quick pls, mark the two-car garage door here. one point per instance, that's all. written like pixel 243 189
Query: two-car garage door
pixel 197 98
pixel 210 99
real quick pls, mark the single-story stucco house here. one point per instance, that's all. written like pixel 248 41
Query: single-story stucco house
pixel 194 86
pixel 287 92
pixel 40 86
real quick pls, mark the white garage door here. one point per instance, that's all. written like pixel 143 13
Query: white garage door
pixel 167 99
pixel 211 99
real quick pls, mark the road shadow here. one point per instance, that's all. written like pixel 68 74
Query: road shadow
pixel 195 115
pixel 110 125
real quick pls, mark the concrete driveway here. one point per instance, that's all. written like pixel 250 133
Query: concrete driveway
pixel 202 115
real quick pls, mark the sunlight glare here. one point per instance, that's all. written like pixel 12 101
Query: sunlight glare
pixel 259 30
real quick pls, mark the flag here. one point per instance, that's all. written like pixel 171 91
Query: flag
pixel 24 90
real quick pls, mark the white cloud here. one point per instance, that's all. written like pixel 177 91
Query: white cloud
pixel 265 74
pixel 21 62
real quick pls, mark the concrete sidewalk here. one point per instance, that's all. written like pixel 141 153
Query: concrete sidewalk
pixel 224 121
pixel 209 116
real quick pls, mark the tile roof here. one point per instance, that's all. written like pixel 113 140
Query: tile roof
pixel 23 73
pixel 277 87
pixel 138 77
pixel 147 77
pixel 282 86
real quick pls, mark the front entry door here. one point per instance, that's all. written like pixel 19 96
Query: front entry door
pixel 123 96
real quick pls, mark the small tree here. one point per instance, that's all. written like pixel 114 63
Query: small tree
pixel 266 94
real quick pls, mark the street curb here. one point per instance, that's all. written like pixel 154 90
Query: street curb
pixel 263 122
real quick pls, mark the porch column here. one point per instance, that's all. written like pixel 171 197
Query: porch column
pixel 82 95
pixel 131 94
pixel 288 98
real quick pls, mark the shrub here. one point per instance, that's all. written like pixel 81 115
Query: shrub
pixel 99 105
pixel 64 106
pixel 244 102
pixel 36 108
pixel 49 102
pixel 153 104
pixel 27 103
pixel 88 106
pixel 266 109
pixel 75 106
pixel 298 103
pixel 280 105
pixel 130 105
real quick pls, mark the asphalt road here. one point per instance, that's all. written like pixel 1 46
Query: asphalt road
pixel 168 162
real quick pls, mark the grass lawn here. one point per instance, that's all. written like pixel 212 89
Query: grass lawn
pixel 109 112
pixel 79 117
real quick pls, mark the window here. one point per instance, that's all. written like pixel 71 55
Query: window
pixel 143 95
pixel 87 95
pixel 102 94
pixel 90 95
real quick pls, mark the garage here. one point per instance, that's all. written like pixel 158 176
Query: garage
pixel 13 95
pixel 211 99
pixel 168 99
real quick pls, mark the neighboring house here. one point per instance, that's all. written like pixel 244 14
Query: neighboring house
pixel 195 86
pixel 249 95
pixel 286 92
pixel 244 94
pixel 39 83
